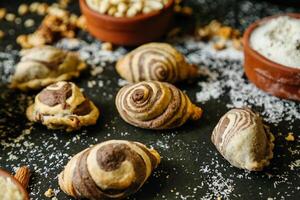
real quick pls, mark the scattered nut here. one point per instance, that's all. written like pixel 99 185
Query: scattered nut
pixel 23 9
pixel 128 8
pixel 2 13
pixel 107 46
pixel 10 17
pixel 220 44
pixel 237 44
pixel 42 9
pixel 49 193
pixel 33 7
pixel 215 30
pixel 2 34
pixel 18 20
pixel 290 137
pixel 29 23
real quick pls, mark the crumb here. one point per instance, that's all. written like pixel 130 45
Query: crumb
pixel 18 20
pixel 10 17
pixel 237 44
pixel 49 193
pixel 2 34
pixel 186 10
pixel 23 9
pixel 219 198
pixel 220 44
pixel 42 9
pixel 29 23
pixel 107 46
pixel 2 13
pixel 34 6
pixel 174 32
pixel 290 137
pixel 81 22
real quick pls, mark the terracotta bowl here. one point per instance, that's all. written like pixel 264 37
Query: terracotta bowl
pixel 5 174
pixel 131 31
pixel 273 78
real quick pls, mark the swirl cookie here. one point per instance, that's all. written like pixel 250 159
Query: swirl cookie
pixel 42 66
pixel 155 62
pixel 113 169
pixel 243 139
pixel 62 106
pixel 155 105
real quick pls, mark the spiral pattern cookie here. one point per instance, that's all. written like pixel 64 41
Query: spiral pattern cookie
pixel 155 105
pixel 113 169
pixel 243 139
pixel 42 66
pixel 63 106
pixel 155 62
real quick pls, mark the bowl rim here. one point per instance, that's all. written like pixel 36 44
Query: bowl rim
pixel 126 19
pixel 259 56
pixel 4 173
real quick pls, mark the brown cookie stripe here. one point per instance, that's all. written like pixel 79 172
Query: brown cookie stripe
pixel 110 156
pixel 155 105
pixel 156 62
pixel 56 95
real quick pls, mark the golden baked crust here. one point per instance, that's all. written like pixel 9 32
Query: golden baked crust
pixel 155 105
pixel 113 169
pixel 243 139
pixel 42 66
pixel 63 106
pixel 155 62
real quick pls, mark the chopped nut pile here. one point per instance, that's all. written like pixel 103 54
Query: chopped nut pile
pixel 126 8
pixel 220 34
pixel 57 23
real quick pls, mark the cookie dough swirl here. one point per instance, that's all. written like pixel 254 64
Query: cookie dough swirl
pixel 157 62
pixel 42 66
pixel 113 169
pixel 155 105
pixel 62 106
pixel 243 139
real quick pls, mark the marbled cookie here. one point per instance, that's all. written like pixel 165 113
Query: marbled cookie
pixel 155 62
pixel 155 105
pixel 63 106
pixel 243 139
pixel 42 66
pixel 113 169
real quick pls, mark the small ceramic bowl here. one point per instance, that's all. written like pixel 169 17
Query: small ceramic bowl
pixel 126 31
pixel 273 78
pixel 6 174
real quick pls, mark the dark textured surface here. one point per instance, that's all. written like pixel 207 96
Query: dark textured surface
pixel 191 168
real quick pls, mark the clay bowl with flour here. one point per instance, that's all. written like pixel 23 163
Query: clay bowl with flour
pixel 128 31
pixel 273 78
pixel 23 191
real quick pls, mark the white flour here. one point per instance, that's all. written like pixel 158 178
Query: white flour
pixel 278 40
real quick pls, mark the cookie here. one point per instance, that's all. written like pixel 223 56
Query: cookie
pixel 42 66
pixel 155 105
pixel 113 169
pixel 63 106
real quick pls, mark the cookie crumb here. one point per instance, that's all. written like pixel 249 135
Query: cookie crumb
pixel 49 193
pixel 290 137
